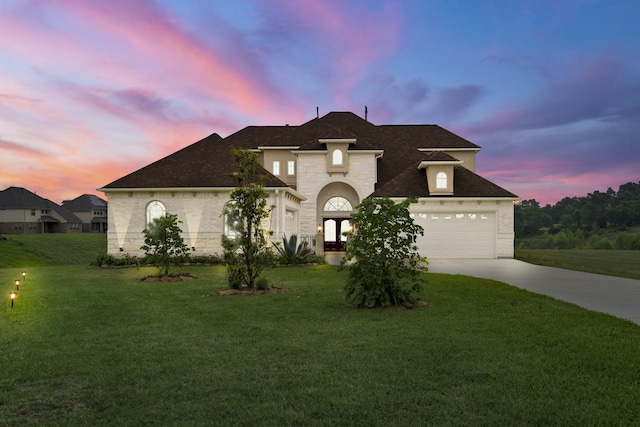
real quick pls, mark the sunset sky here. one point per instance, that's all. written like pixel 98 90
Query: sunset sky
pixel 93 90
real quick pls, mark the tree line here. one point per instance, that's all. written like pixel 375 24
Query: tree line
pixel 610 210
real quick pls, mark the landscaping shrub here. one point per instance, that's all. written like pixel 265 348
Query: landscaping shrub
pixel 205 259
pixel 112 261
pixel 385 265
pixel 290 251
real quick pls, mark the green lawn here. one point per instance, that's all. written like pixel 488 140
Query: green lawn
pixel 609 262
pixel 25 250
pixel 87 346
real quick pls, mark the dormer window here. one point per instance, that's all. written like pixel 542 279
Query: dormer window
pixel 337 154
pixel 440 175
pixel 337 157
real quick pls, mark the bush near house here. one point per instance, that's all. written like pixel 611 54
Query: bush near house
pixel 290 251
pixel 384 265
pixel 163 243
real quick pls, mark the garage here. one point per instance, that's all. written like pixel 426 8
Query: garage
pixel 457 235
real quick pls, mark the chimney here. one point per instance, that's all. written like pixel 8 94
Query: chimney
pixel 366 111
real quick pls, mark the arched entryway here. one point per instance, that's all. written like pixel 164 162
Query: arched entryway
pixel 336 203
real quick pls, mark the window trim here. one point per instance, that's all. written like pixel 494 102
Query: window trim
pixel 337 158
pixel 153 204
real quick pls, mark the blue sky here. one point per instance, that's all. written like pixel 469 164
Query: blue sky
pixel 90 91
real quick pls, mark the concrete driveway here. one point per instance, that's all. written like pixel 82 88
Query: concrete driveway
pixel 613 295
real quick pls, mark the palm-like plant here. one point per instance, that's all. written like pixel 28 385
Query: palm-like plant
pixel 292 252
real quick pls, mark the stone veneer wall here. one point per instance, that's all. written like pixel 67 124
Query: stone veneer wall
pixel 200 212
pixel 313 176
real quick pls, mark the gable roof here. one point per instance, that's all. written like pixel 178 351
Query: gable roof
pixel 21 198
pixel 413 182
pixel 85 203
pixel 207 163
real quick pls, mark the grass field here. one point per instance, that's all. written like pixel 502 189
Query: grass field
pixel 88 346
pixel 27 250
pixel 609 262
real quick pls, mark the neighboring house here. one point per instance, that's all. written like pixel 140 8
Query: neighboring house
pixel 316 174
pixel 24 212
pixel 92 210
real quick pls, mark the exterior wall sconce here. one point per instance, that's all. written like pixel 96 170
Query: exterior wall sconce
pixel 12 295
pixel 17 282
pixel 319 228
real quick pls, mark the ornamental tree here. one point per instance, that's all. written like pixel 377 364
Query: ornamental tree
pixel 246 251
pixel 163 243
pixel 382 256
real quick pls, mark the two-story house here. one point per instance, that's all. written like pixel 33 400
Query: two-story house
pixel 92 210
pixel 24 212
pixel 316 175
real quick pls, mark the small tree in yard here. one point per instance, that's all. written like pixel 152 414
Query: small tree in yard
pixel 246 253
pixel 163 242
pixel 385 267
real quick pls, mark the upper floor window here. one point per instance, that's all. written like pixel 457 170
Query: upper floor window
pixel 291 167
pixel 276 167
pixel 338 204
pixel 155 210
pixel 441 180
pixel 337 157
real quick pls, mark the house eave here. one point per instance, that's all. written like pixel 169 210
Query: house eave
pixel 428 150
pixel 426 163
pixel 194 189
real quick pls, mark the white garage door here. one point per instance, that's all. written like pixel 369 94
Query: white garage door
pixel 457 235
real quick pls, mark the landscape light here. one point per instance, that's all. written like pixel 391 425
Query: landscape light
pixel 24 275
pixel 17 284
pixel 12 295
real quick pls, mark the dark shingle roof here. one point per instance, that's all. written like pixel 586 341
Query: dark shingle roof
pixel 85 203
pixel 413 182
pixel 207 163
pixel 21 198
pixel 428 136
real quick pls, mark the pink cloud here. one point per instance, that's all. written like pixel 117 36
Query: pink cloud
pixel 351 36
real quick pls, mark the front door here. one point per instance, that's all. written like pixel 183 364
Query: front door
pixel 334 240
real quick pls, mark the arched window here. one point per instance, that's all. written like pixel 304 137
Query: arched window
pixel 338 204
pixel 155 210
pixel 441 180
pixel 232 221
pixel 337 157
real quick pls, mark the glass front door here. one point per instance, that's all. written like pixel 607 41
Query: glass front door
pixel 334 240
